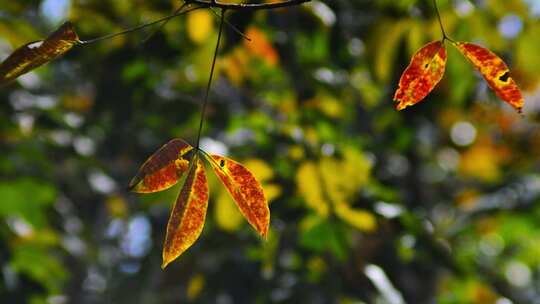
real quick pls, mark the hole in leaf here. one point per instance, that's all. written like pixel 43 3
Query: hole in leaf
pixel 426 65
pixel 504 77
pixel 222 163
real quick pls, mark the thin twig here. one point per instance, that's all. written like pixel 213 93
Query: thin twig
pixel 162 25
pixel 232 26
pixel 207 93
pixel 139 27
pixel 247 6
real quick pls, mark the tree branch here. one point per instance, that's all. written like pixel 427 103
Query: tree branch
pixel 246 6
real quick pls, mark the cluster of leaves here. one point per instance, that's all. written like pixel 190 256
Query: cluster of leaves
pixel 428 65
pixel 165 168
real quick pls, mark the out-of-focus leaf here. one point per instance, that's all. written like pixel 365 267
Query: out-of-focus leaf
pixel 358 218
pixel 164 168
pixel 195 286
pixel 495 71
pixel 261 46
pixel 36 261
pixel 385 42
pixel 35 54
pixel 199 25
pixel 310 187
pixel 26 198
pixel 321 235
pixel 227 216
pixel 187 217
pixel 483 161
pixel 246 191
pixel 422 75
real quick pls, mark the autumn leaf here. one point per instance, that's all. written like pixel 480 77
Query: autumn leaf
pixel 35 54
pixel 261 46
pixel 187 217
pixel 245 190
pixel 226 215
pixel 164 168
pixel 425 70
pixel 495 71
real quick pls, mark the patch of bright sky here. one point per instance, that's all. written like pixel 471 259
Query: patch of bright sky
pixel 510 26
pixel 463 8
pixel 534 7
pixel 55 11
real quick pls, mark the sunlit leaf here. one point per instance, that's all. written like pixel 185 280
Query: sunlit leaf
pixel 188 215
pixel 164 168
pixel 245 190
pixel 495 71
pixel 226 214
pixel 35 54
pixel 425 70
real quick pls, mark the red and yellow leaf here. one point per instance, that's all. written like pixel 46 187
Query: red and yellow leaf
pixel 422 75
pixel 35 54
pixel 495 71
pixel 246 191
pixel 187 217
pixel 164 168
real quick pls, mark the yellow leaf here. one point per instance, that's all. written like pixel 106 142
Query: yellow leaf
pixel 200 26
pixel 482 161
pixel 310 187
pixel 195 286
pixel 117 206
pixel 360 219
pixel 259 168
pixel 272 191
pixel 226 214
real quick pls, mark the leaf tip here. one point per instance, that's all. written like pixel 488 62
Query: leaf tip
pixel 264 234
pixel 400 105
pixel 165 263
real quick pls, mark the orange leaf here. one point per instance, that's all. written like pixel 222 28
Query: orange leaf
pixel 163 169
pixel 494 71
pixel 246 191
pixel 422 75
pixel 188 215
pixel 35 54
pixel 261 46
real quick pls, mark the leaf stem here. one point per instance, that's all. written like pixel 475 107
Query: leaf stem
pixel 445 36
pixel 207 93
pixel 140 27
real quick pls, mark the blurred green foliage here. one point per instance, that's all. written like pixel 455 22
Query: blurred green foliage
pixel 442 197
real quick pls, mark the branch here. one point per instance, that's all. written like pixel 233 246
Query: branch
pixel 246 6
